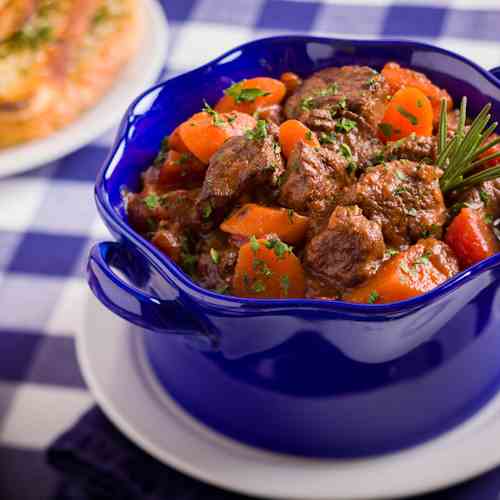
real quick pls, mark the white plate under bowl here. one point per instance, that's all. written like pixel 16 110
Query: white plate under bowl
pixel 112 358
pixel 140 73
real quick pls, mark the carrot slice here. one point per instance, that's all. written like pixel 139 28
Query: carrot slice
pixel 252 219
pixel 470 237
pixel 409 111
pixel 267 268
pixel 404 276
pixel 249 95
pixel 180 169
pixel 291 81
pixel 205 132
pixel 176 143
pixel 398 77
pixel 293 131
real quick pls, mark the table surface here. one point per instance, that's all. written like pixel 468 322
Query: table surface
pixel 48 220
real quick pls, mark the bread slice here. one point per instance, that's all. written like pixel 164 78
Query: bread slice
pixel 64 58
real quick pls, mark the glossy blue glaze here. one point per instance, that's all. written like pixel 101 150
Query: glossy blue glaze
pixel 310 377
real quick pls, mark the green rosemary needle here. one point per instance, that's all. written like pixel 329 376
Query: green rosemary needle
pixel 463 152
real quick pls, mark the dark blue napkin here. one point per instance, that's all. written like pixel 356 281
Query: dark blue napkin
pixel 98 463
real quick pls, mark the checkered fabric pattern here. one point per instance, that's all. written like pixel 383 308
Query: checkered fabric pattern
pixel 48 220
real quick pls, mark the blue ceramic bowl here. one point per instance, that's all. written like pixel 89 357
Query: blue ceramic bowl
pixel 310 377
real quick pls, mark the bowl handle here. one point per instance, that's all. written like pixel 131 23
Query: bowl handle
pixel 134 303
pixel 496 72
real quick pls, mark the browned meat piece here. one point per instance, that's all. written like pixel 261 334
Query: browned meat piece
pixel 176 208
pixel 344 254
pixel 486 195
pixel 313 179
pixel 240 166
pixel 349 129
pixel 272 114
pixel 216 268
pixel 414 148
pixel 404 198
pixel 357 88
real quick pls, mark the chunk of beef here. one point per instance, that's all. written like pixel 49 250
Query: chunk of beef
pixel 353 131
pixel 273 113
pixel 359 89
pixel 344 254
pixel 146 210
pixel 313 179
pixel 239 167
pixel 404 198
pixel 485 195
pixel 414 148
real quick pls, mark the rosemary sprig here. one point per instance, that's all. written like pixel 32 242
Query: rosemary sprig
pixel 463 152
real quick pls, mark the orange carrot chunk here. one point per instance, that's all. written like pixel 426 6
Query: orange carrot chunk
pixel 398 78
pixel 406 275
pixel 470 237
pixel 267 268
pixel 205 132
pixel 175 142
pixel 248 96
pixel 291 81
pixel 409 111
pixel 252 219
pixel 293 131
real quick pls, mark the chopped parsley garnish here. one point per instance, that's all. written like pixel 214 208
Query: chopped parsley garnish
pixel 399 190
pixel 223 288
pixel 152 225
pixel 307 104
pixel 101 15
pixel 332 89
pixel 214 255
pixel 401 175
pixel 29 38
pixel 372 81
pixel 309 135
pixel 404 267
pixel 386 129
pixel 231 118
pixel 345 125
pixel 207 211
pixel 409 116
pixel 261 266
pixel 345 151
pixel 240 94
pixel 342 104
pixel 285 284
pixel 162 154
pixel 254 244
pixel 411 212
pixel 484 196
pixel 373 297
pixel 258 286
pixel 290 213
pixel 183 158
pixel 424 259
pixel 189 262
pixel 257 133
pixel 327 138
pixel 391 252
pixel 152 201
pixel 419 103
pixel 216 118
pixel 279 248
pixel 488 218
pixel 351 168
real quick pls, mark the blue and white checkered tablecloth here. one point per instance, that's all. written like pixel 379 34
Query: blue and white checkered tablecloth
pixel 48 220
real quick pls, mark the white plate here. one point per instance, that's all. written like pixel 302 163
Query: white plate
pixel 113 362
pixel 141 72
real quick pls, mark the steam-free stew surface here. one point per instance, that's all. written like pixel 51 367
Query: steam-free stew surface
pixel 326 187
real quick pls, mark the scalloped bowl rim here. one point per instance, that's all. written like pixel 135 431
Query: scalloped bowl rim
pixel 182 280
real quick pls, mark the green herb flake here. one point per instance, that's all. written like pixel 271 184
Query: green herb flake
pixel 152 201
pixel 216 118
pixel 351 167
pixel 345 151
pixel 419 103
pixel 240 94
pixel 279 248
pixel 254 244
pixel 344 125
pixel 372 298
pixel 258 287
pixel 307 104
pixel 404 267
pixel 401 175
pixel 412 212
pixel 309 135
pixel 257 133
pixel 285 284
pixel 101 15
pixel 406 114
pixel 207 211
pixel 400 190
pixel 488 218
pixel 290 213
pixel 152 225
pixel 223 288
pixel 214 255
pixel 484 196
pixel 386 129
pixel 327 138
pixel 391 252
pixel 162 154
pixel 183 158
